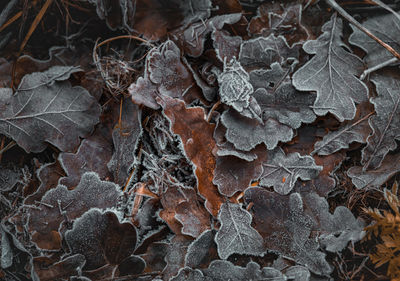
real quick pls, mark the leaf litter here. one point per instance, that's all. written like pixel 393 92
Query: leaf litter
pixel 198 140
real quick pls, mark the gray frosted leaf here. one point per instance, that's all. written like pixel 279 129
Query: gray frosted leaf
pixel 125 139
pixel 246 133
pixel 375 178
pixel 45 109
pixel 279 100
pixel 332 73
pixel 385 124
pixel 175 256
pixel 59 202
pixel 287 228
pixel 263 51
pixel 354 131
pixel 282 171
pixel 337 229
pixel 193 37
pixel 235 90
pixel 195 10
pixel 297 273
pixel 202 251
pixel 228 149
pixel 6 250
pixel 226 46
pixel 189 274
pixel 378 25
pixel 220 270
pixel 167 70
pixel 236 234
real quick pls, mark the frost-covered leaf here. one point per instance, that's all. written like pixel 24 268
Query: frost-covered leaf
pixel 48 174
pixel 286 228
pixel 280 18
pixel 101 238
pixel 375 178
pixel 263 51
pixel 167 70
pixel 236 234
pixel 226 46
pixel 378 25
pixel 192 38
pixel 125 136
pixel 337 229
pixel 332 73
pixel 221 270
pixel 132 265
pixel 189 274
pixel 175 256
pixel 385 124
pixel 246 133
pixel 282 171
pixel 45 108
pixel 197 139
pixel 278 99
pixel 232 174
pixel 92 156
pixel 144 92
pixel 60 204
pixel 180 212
pixel 235 90
pixel 165 74
pixel 202 251
pixel 355 131
pixel 62 269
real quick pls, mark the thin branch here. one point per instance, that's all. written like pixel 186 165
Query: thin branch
pixel 349 18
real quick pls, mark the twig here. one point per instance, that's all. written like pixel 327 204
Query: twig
pixel 377 67
pixel 349 18
pixel 386 7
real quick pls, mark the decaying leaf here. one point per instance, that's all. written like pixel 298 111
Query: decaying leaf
pixel 46 108
pixel 236 234
pixel 263 51
pixel 332 73
pixel 65 268
pixel 226 46
pixel 192 38
pixel 385 124
pixel 282 171
pixel 60 204
pixel 101 238
pixel 92 156
pixel 125 136
pixel 232 174
pixel 197 139
pixel 280 18
pixel 202 251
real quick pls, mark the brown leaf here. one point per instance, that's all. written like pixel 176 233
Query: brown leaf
pixel 65 268
pixel 60 204
pixel 197 139
pixel 233 174
pixel 92 156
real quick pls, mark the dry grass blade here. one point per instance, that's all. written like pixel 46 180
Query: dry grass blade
pixel 35 23
pixel 11 20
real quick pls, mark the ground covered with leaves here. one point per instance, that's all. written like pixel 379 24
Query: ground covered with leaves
pixel 199 140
